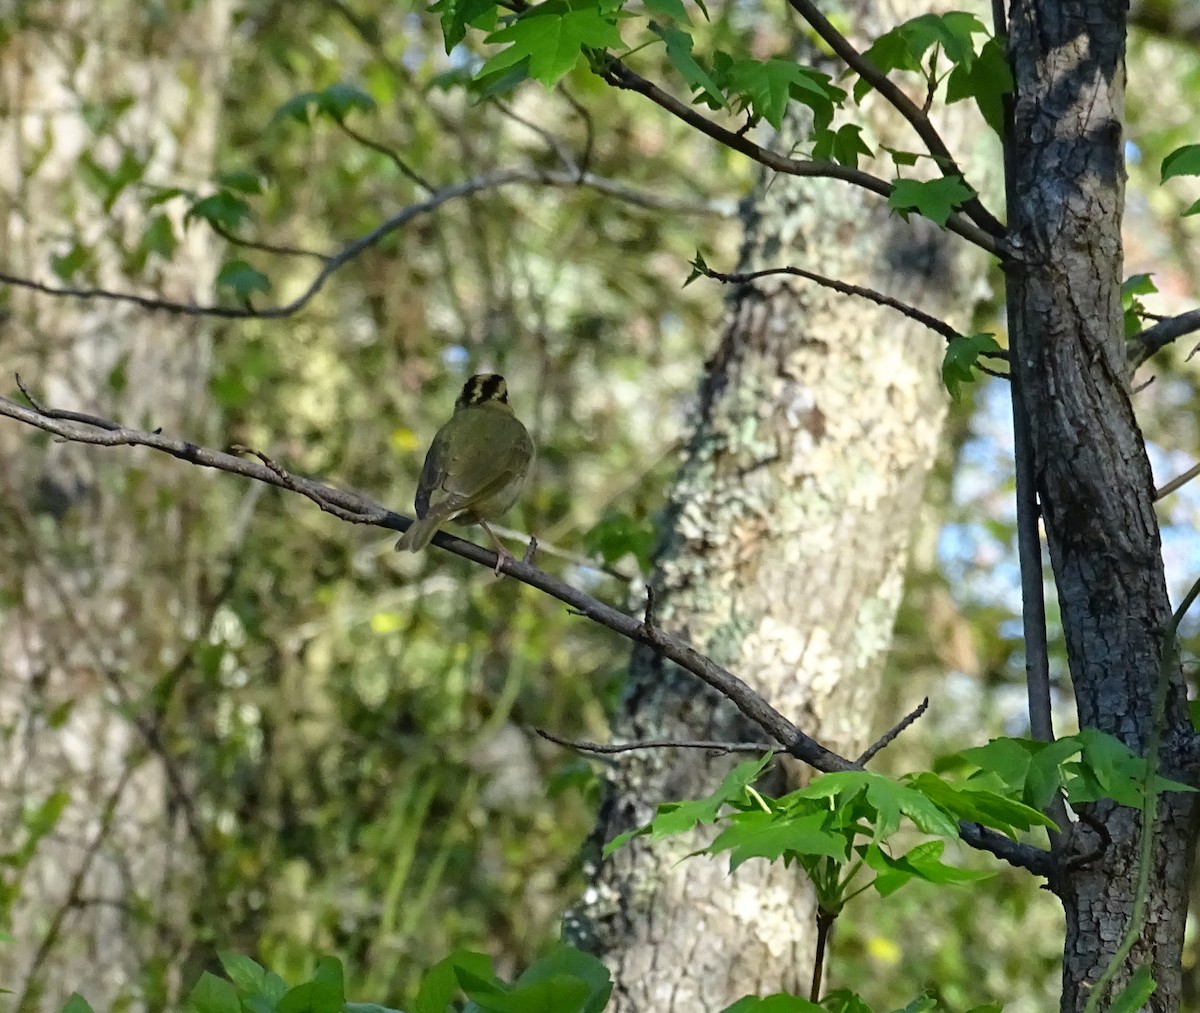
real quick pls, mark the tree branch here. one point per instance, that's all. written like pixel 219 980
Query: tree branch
pixel 82 428
pixel 891 734
pixel 621 76
pixel 918 119
pixel 486 181
pixel 845 288
pixel 1153 339
pixel 609 748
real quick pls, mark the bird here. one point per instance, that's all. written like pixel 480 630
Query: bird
pixel 475 468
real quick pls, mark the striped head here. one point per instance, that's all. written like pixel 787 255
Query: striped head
pixel 483 388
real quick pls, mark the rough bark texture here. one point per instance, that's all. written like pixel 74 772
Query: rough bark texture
pixel 100 572
pixel 1093 474
pixel 783 558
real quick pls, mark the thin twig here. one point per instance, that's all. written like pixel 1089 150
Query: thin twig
pixel 609 748
pixel 845 288
pixel 487 181
pixel 919 121
pixel 1178 482
pixel 394 157
pixel 561 151
pixel 1029 544
pixel 272 248
pixel 564 554
pixel 892 733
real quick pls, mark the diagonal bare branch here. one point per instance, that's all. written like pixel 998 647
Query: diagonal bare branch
pixel 356 508
pixel 486 181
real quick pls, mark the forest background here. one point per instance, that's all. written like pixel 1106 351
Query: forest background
pixel 339 739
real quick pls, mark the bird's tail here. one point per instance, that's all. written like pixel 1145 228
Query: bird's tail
pixel 421 531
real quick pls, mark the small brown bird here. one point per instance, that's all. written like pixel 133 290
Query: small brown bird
pixel 476 465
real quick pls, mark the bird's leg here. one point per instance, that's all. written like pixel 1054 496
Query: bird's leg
pixel 501 552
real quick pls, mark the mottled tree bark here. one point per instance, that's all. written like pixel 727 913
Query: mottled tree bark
pixel 1093 475
pixel 100 570
pixel 783 558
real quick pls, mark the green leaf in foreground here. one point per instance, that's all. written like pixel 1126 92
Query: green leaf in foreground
pixel 1183 161
pixel 936 199
pixel 680 817
pixel 962 353
pixel 1135 993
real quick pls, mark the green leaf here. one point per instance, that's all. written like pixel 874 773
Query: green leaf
pixel 40 820
pixel 325 993
pixel 673 10
pixel 221 208
pixel 335 102
pixel 977 802
pixel 987 80
pixel 962 353
pixel 243 180
pixel 214 995
pixel 568 962
pixel 77 1004
pixel 247 975
pixel 1135 309
pixel 904 47
pixel 557 994
pixel 339 99
pixel 699 269
pixel 242 280
pixel 679 817
pixel 159 237
pixel 295 108
pixel 780 1002
pixel 766 87
pixel 616 535
pixel 1183 161
pixel 71 263
pixel 457 15
pixel 679 52
pixel 1137 990
pixel 769 835
pixel 440 985
pixel 553 38
pixel 922 1004
pixel 1137 284
pixel 936 199
pixel 889 800
pixel 843 146
pixel 902 158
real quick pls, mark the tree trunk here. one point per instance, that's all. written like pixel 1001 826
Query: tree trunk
pixel 1093 475
pixel 783 557
pixel 102 572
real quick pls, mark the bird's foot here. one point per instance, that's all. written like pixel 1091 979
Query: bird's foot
pixel 502 556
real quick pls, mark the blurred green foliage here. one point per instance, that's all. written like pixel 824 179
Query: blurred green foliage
pixel 355 724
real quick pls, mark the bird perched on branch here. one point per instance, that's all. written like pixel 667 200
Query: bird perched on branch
pixel 476 465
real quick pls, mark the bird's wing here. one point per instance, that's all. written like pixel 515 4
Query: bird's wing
pixel 433 474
